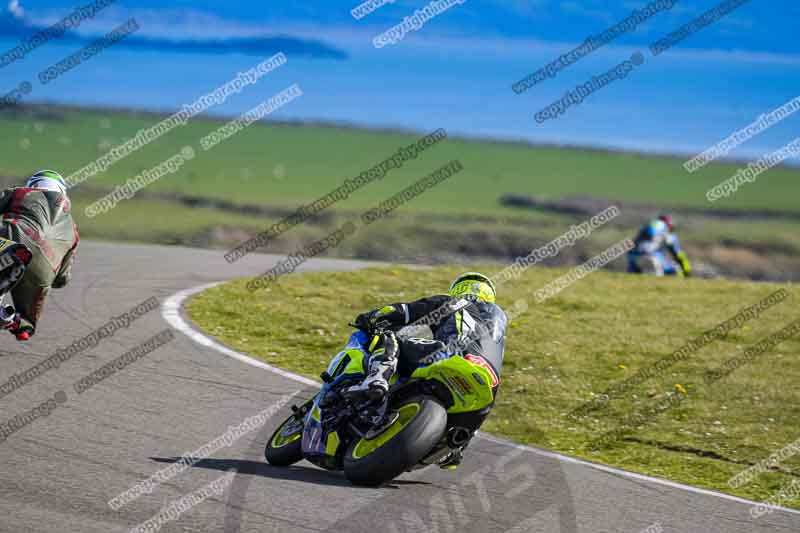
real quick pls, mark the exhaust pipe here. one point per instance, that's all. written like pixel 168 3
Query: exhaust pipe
pixel 458 437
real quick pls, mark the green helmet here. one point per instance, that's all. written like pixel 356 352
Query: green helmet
pixel 49 180
pixel 475 284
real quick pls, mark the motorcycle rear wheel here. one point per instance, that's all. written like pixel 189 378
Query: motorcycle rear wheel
pixel 420 425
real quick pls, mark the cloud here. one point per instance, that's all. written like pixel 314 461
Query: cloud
pixel 265 45
pixel 187 31
pixel 16 9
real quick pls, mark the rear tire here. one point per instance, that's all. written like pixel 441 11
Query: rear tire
pixel 285 450
pixel 419 428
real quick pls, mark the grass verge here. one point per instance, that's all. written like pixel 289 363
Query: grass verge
pixel 595 333
pixel 282 166
pixel 291 164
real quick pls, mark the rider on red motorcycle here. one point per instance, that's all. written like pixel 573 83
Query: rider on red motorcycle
pixel 38 216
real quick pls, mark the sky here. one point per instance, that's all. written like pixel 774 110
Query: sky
pixel 456 71
pixel 758 25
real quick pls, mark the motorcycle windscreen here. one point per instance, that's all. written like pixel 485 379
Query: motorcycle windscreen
pixel 349 361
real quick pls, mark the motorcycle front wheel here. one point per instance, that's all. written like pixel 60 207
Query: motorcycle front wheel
pixel 284 447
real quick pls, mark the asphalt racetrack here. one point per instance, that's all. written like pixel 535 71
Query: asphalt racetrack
pixel 58 472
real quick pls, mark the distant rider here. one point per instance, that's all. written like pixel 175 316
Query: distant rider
pixel 38 216
pixel 469 323
pixel 657 250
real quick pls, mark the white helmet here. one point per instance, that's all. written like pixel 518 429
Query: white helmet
pixel 48 180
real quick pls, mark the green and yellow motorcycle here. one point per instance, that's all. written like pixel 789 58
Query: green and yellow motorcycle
pixel 421 421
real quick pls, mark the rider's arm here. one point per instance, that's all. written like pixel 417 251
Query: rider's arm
pixel 674 247
pixel 645 234
pixel 65 271
pixel 428 308
pixel 402 314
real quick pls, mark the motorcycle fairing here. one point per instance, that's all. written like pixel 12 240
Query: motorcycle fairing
pixel 319 445
pixel 469 383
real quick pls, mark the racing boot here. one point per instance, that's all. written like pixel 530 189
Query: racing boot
pixel 11 321
pixel 452 461
pixel 382 366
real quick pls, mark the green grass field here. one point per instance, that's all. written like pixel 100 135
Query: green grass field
pixel 280 167
pixel 283 164
pixel 565 351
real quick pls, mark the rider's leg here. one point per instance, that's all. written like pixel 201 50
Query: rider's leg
pixel 670 268
pixel 416 352
pixel 660 263
pixel 402 356
pixel 650 264
pixel 30 293
pixel 382 366
pixel 29 296
pixel 633 266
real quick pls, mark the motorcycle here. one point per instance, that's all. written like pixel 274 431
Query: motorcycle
pixel 422 420
pixel 14 260
pixel 658 263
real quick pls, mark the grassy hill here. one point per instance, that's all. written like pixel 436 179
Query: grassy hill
pixel 225 195
pixel 286 164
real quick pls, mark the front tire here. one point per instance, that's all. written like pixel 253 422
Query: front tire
pixel 284 447
pixel 421 423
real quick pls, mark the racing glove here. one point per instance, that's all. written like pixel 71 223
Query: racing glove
pixel 385 317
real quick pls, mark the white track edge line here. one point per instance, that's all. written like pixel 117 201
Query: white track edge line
pixel 171 312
